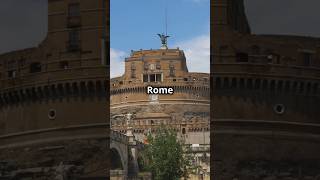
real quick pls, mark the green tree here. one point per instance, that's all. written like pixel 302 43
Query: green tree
pixel 165 155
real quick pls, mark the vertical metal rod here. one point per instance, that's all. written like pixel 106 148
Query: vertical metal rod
pixel 166 17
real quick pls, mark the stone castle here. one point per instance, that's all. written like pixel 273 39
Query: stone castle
pixel 186 110
pixel 264 98
pixel 265 118
pixel 49 93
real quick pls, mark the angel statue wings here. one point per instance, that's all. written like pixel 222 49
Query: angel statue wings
pixel 163 39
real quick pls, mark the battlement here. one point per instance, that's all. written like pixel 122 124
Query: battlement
pixel 161 53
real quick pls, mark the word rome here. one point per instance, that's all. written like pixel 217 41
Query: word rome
pixel 159 90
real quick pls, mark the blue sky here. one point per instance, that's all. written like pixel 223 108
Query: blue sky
pixel 134 25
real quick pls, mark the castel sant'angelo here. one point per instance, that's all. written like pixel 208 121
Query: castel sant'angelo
pixel 186 110
pixel 265 100
pixel 53 118
pixel 265 94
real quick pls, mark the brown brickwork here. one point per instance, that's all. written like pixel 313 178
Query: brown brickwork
pixel 64 75
pixel 129 94
pixel 186 110
pixel 265 100
pixel 57 92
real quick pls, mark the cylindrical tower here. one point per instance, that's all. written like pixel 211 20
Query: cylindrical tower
pixel 60 83
pixel 53 97
pixel 265 99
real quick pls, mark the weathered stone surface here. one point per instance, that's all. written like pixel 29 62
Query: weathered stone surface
pixel 76 159
pixel 265 117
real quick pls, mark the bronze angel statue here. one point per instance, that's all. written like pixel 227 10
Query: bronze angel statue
pixel 163 39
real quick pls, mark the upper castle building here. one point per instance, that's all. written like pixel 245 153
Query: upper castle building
pixel 187 109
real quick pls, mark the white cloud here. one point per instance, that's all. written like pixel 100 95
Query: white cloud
pixel 197 51
pixel 116 62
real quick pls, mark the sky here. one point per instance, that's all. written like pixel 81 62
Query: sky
pixel 134 25
pixel 295 17
pixel 23 23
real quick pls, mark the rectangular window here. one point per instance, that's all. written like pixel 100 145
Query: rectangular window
pixel 74 37
pixel 74 40
pixel 158 78
pixel 307 59
pixel 74 15
pixel 133 73
pixel 145 78
pixel 35 67
pixel 172 73
pixel 74 10
pixel 158 66
pixel 12 73
pixel 152 77
pixel 172 70
pixel 133 70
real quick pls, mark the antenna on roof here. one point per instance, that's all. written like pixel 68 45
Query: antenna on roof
pixel 166 16
pixel 164 37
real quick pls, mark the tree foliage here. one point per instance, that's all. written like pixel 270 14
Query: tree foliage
pixel 165 155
